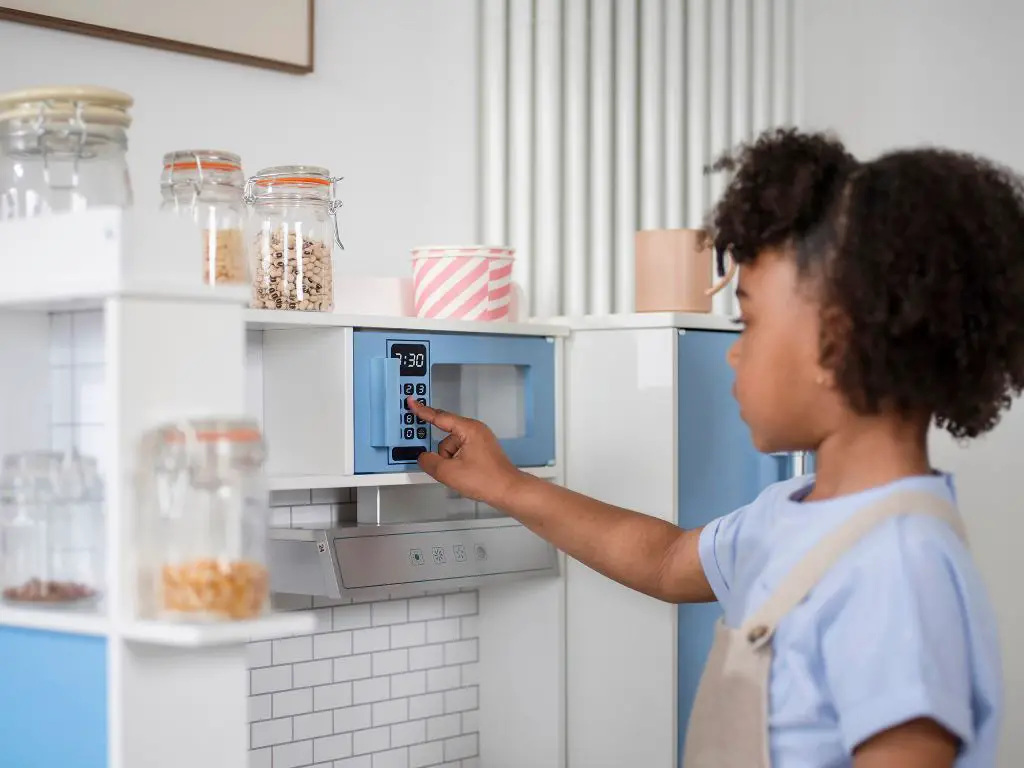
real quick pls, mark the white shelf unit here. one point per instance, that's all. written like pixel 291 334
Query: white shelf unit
pixel 100 688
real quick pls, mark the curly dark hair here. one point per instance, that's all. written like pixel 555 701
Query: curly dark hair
pixel 918 258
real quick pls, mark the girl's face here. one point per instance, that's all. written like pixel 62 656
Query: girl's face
pixel 785 397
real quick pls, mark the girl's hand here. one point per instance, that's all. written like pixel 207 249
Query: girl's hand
pixel 469 460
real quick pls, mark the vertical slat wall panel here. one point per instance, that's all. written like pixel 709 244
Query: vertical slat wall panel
pixel 520 183
pixel 602 156
pixel 548 198
pixel 652 100
pixel 626 154
pixel 598 117
pixel 575 283
pixel 493 45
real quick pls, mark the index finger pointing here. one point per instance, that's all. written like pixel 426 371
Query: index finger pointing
pixel 440 419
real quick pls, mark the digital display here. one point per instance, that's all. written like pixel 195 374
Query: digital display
pixel 412 359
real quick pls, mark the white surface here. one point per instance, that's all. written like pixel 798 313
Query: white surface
pixel 884 75
pixel 621 645
pixel 218 633
pixel 301 482
pixel 391 106
pixel 76 622
pixel 637 321
pixel 80 259
pixel 266 319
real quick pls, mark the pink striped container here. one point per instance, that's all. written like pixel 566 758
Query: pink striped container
pixel 462 282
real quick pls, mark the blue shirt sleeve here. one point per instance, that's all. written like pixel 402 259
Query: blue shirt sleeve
pixel 894 640
pixel 717 548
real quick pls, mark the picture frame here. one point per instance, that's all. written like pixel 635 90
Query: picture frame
pixel 270 34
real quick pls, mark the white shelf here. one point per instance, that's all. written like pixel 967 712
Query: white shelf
pixel 271 319
pixel 695 321
pixel 220 633
pixel 309 482
pixel 52 619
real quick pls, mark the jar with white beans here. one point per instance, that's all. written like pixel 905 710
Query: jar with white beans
pixel 293 229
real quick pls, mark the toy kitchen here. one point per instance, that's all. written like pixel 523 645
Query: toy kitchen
pixel 216 546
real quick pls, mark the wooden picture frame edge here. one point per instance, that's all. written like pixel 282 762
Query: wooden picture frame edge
pixel 161 43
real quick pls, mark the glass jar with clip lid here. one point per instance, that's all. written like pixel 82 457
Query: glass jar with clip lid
pixel 294 228
pixel 63 149
pixel 205 185
pixel 204 521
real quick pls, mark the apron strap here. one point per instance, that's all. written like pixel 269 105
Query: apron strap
pixel 805 575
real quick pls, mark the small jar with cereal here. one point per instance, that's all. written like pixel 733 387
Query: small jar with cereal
pixel 294 227
pixel 205 186
pixel 204 522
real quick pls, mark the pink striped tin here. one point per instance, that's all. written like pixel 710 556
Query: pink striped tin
pixel 464 282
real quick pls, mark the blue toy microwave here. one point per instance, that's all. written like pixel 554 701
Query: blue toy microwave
pixel 507 382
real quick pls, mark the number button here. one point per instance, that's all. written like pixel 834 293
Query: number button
pixel 421 389
pixel 407 389
pixel 420 421
pixel 404 406
pixel 408 418
pixel 408 433
pixel 421 433
pixel 421 400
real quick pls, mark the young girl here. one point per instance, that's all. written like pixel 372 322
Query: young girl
pixel 877 298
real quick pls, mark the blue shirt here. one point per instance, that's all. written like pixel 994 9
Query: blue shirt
pixel 900 627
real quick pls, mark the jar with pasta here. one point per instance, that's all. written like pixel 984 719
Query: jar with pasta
pixel 205 185
pixel 63 149
pixel 205 517
pixel 293 229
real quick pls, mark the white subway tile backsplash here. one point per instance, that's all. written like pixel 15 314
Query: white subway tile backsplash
pixel 369 640
pixel 471 762
pixel 333 747
pixel 313 725
pixel 312 673
pixel 90 393
pixel 260 758
pixel 409 684
pixel 353 718
pixel 294 702
pixel 471 674
pixel 269 732
pixel 390 662
pixel 443 678
pixel 411 732
pixel 270 679
pixel 352 616
pixel 470 626
pixel 363 761
pixel 422 755
pixel 332 644
pixel 460 604
pixel 313 514
pixel 292 649
pixel 428 705
pixel 371 740
pixel 294 755
pixel 289 498
pixel 353 667
pixel 258 654
pixel 460 699
pixel 87 334
pixel 61 339
pixel 442 630
pixel 370 690
pixel 392 758
pixel 260 707
pixel 423 608
pixel 332 696
pixel 390 612
pixel 460 747
pixel 426 657
pixel 444 727
pixel 390 712
pixel 471 721
pixel 408 635
pixel 460 652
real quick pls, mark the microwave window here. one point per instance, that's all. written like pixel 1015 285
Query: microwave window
pixel 412 359
pixel 493 394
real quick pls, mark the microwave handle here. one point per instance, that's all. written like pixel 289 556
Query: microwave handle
pixel 385 395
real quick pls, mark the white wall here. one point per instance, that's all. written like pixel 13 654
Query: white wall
pixel 391 106
pixel 886 73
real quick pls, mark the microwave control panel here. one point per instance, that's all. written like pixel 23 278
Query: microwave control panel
pixel 413 381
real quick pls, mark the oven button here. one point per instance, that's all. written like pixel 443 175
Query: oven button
pixel 421 400
pixel 407 389
pixel 421 433
pixel 421 389
pixel 408 433
pixel 408 418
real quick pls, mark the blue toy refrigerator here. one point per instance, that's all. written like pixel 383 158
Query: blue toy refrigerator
pixel 652 426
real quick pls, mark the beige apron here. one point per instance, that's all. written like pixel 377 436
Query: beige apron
pixel 729 723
